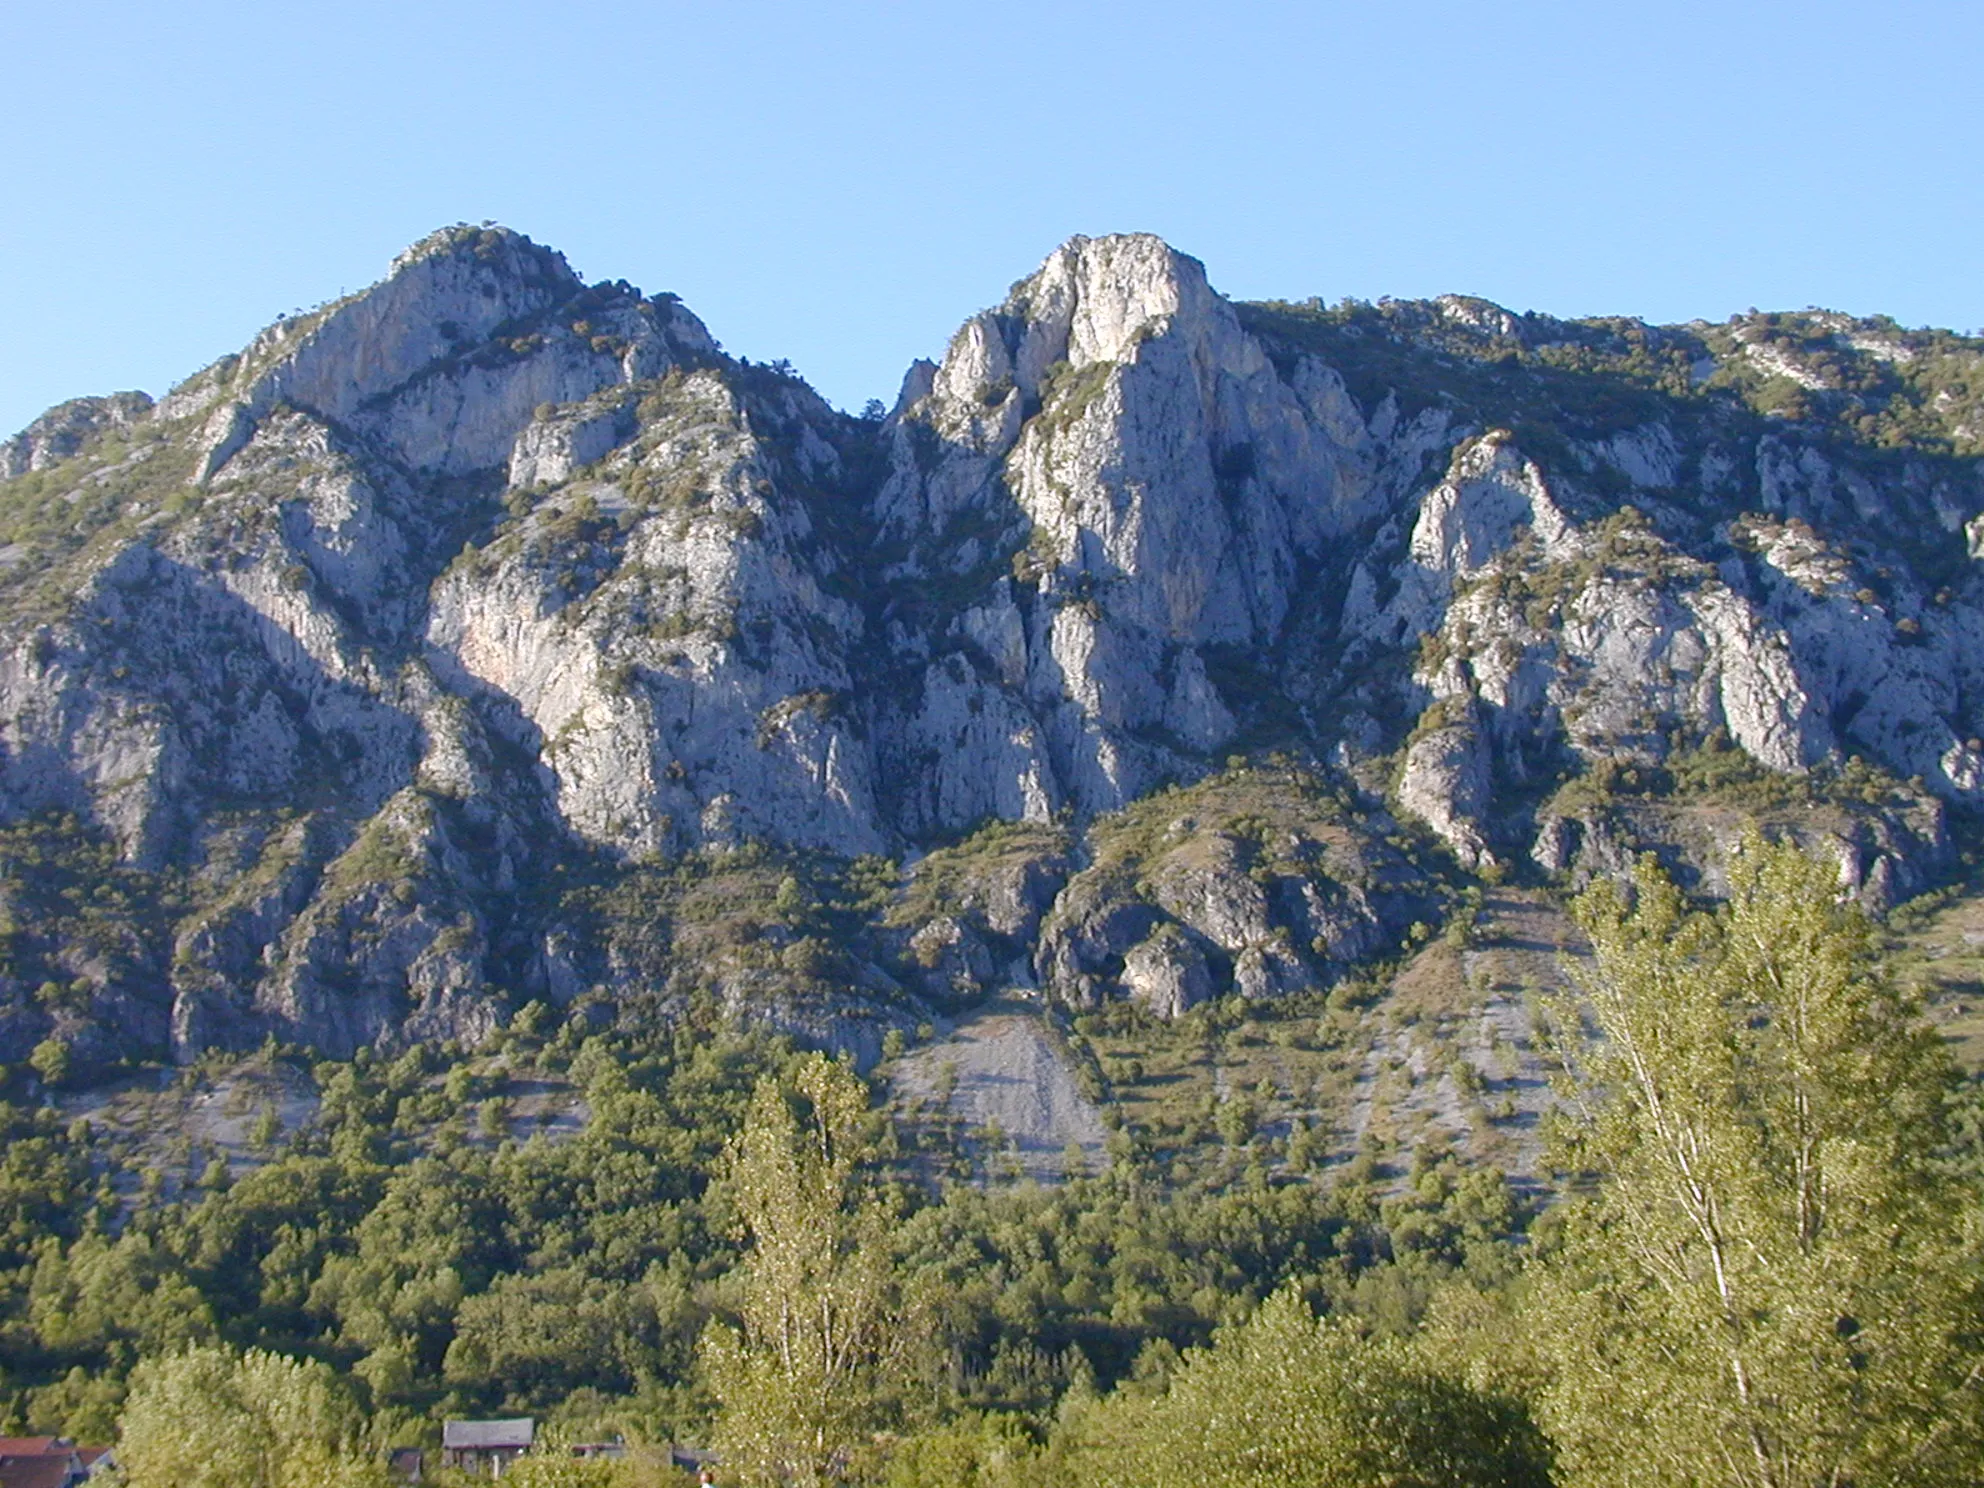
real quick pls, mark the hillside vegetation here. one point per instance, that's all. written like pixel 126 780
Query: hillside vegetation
pixel 1271 893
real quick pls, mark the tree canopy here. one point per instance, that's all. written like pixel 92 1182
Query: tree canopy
pixel 1285 1400
pixel 824 1329
pixel 211 1418
pixel 1770 1277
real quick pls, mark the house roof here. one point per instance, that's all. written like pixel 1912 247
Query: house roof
pixel 36 1470
pixel 30 1446
pixel 512 1433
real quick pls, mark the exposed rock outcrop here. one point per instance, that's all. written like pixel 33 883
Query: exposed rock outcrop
pixel 487 636
pixel 62 432
pixel 1254 881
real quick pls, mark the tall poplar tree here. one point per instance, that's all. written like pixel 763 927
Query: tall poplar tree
pixel 824 1332
pixel 1772 1280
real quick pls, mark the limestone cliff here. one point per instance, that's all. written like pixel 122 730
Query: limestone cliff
pixel 488 636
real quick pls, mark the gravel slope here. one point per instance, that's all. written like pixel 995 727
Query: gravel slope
pixel 1006 1073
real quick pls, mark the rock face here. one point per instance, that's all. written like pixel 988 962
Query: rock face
pixel 1447 782
pixel 1255 881
pixel 65 429
pixel 1167 973
pixel 1118 488
pixel 488 636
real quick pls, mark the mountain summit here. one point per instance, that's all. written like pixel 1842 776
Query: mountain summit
pixel 487 637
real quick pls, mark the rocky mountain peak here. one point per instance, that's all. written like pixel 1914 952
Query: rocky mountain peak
pixel 444 359
pixel 442 649
pixel 502 251
pixel 1094 300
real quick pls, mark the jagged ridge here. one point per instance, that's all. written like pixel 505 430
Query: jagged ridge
pixel 487 636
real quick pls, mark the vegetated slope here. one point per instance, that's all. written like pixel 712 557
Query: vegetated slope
pixel 488 638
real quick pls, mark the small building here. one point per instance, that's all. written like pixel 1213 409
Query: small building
pixel 39 1470
pixel 699 1462
pixel 47 1462
pixel 406 1463
pixel 34 1446
pixel 486 1446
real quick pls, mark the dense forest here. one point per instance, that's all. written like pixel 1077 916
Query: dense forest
pixel 1757 1264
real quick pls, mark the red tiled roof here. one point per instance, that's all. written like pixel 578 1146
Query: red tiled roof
pixel 36 1470
pixel 28 1446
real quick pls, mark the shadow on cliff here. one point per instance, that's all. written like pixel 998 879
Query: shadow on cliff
pixel 194 728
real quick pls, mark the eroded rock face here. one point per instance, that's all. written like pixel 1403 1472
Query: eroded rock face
pixel 62 432
pixel 1618 645
pixel 661 635
pixel 1167 973
pixel 380 637
pixel 1888 850
pixel 1446 783
pixel 444 361
pixel 972 911
pixel 1122 485
pixel 1252 882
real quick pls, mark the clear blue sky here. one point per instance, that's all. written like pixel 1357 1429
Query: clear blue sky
pixel 841 184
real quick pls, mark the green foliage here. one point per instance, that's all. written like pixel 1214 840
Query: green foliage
pixel 823 1332
pixel 501 1277
pixel 970 1451
pixel 68 904
pixel 555 1467
pixel 50 1060
pixel 786 921
pixel 105 1301
pixel 950 880
pixel 1286 1401
pixel 46 1182
pixel 1538 376
pixel 88 504
pixel 1773 1282
pixel 1867 379
pixel 1873 383
pixel 445 1272
pixel 552 1465
pixel 550 1334
pixel 1716 772
pixel 1067 392
pixel 1283 820
pixel 210 1418
pixel 379 856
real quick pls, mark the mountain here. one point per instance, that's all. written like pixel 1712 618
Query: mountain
pixel 488 637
